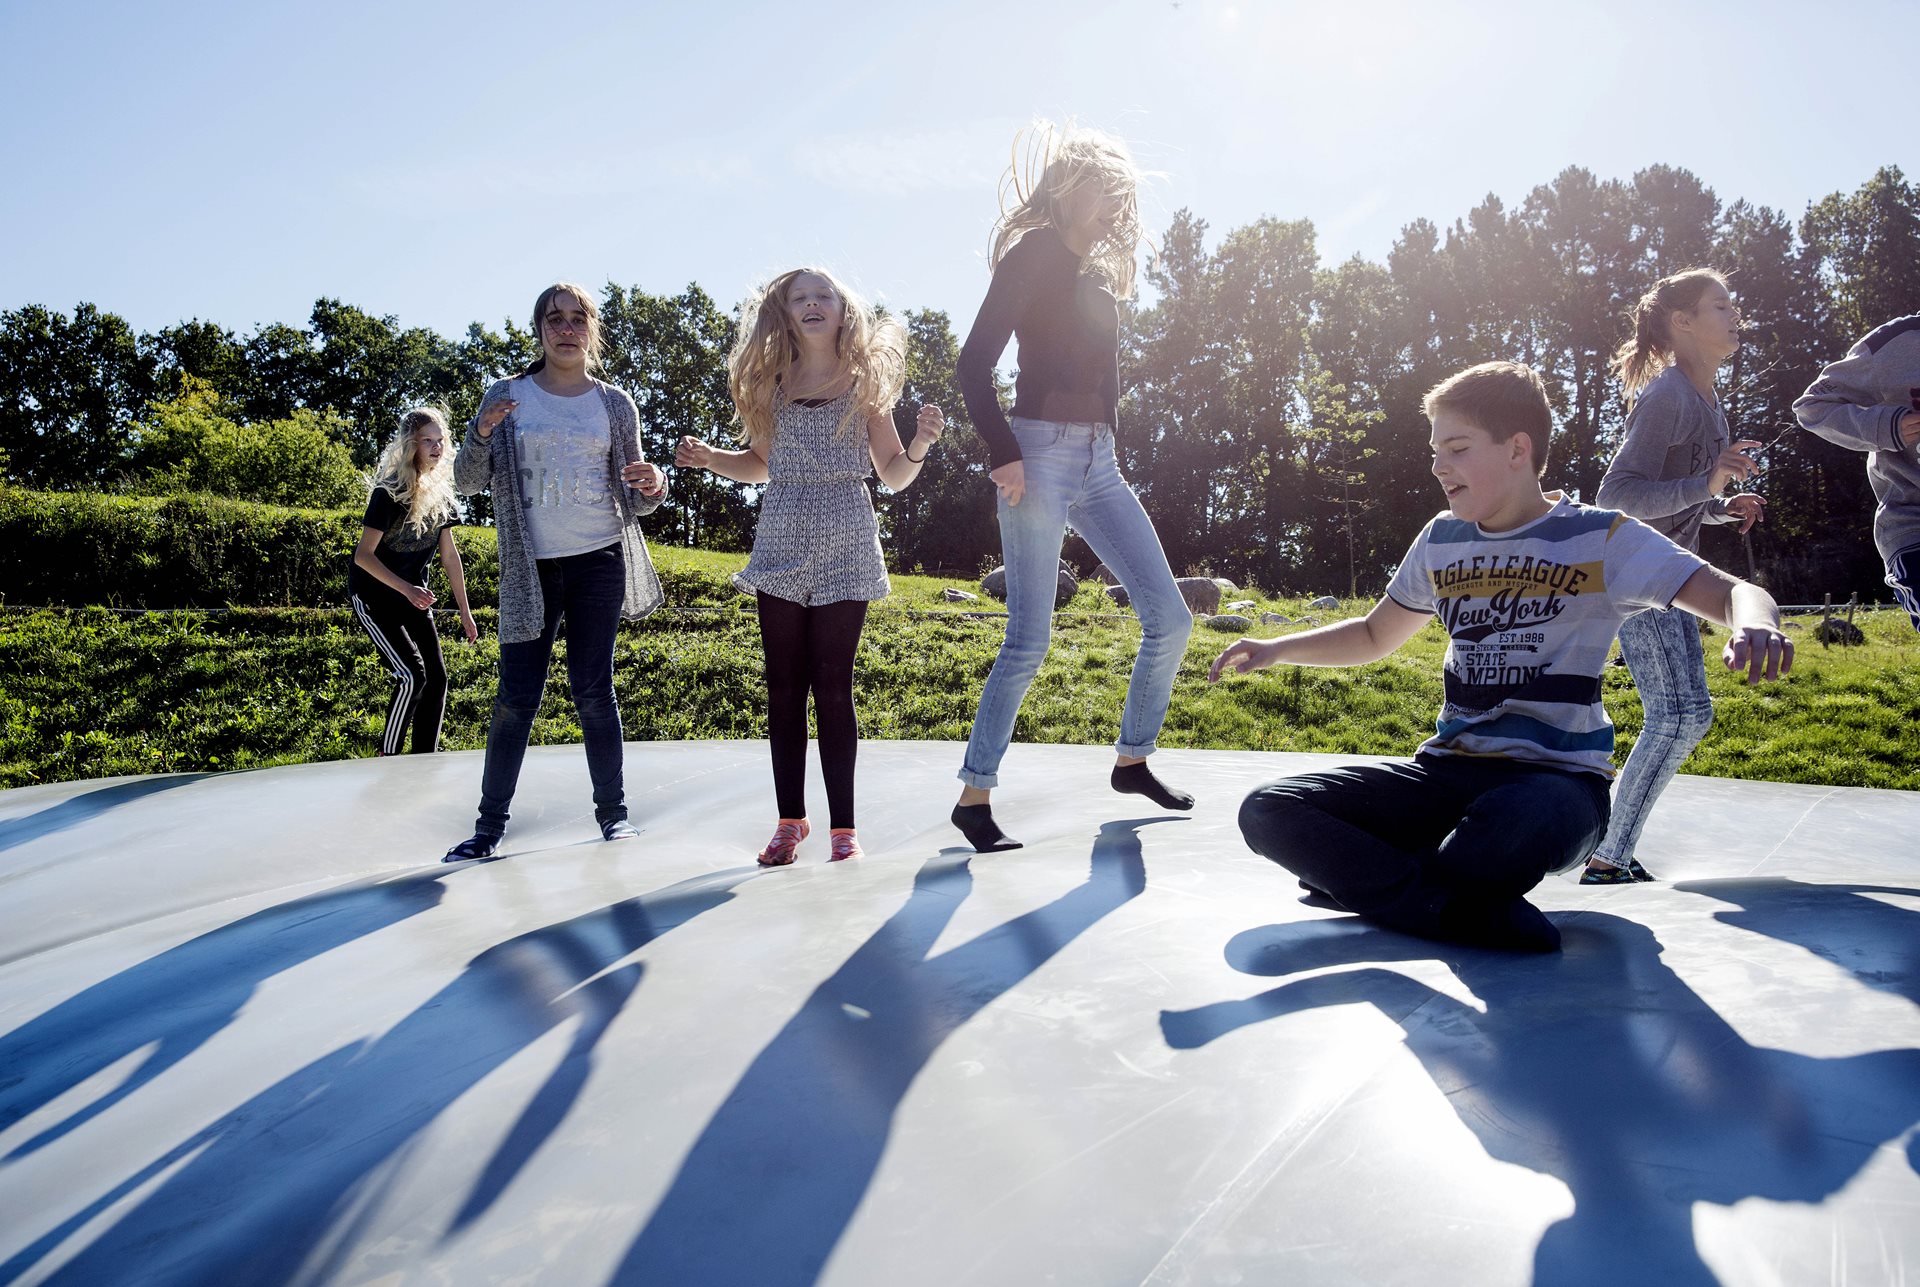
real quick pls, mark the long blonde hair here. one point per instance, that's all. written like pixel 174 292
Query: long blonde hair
pixel 872 349
pixel 428 498
pixel 1650 351
pixel 1050 164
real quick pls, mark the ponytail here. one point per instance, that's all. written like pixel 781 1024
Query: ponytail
pixel 1650 351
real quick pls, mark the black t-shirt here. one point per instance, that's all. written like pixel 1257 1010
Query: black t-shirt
pixel 405 552
pixel 1068 325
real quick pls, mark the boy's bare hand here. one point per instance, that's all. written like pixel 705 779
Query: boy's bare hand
pixel 1761 651
pixel 1241 656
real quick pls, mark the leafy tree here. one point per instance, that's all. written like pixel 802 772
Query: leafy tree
pixel 368 370
pixel 190 444
pixel 69 389
pixel 205 350
pixel 670 353
pixel 1867 246
pixel 947 520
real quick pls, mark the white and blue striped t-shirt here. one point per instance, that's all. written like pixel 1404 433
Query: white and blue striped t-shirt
pixel 1531 614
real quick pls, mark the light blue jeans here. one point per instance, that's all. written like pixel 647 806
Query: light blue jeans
pixel 1662 648
pixel 1073 480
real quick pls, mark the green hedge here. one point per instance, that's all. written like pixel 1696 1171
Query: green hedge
pixel 83 549
pixel 77 548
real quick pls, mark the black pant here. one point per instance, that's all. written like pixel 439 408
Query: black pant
pixel 1379 838
pixel 405 639
pixel 812 648
pixel 584 590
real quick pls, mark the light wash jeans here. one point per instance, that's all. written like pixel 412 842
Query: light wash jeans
pixel 1073 480
pixel 1663 652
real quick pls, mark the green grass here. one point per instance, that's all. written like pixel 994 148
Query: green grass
pixel 90 693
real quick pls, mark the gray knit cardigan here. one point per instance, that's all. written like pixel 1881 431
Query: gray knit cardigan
pixel 480 460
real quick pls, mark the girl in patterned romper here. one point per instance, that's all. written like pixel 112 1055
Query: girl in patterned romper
pixel 815 375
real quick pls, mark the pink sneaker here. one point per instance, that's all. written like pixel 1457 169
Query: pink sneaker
pixel 786 838
pixel 845 845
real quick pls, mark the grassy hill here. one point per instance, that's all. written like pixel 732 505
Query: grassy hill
pixel 88 692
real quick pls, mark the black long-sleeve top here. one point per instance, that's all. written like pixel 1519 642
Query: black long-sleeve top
pixel 1068 325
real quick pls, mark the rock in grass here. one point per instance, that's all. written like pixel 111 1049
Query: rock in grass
pixel 1229 621
pixel 1274 619
pixel 1201 594
pixel 1066 585
pixel 952 595
pixel 1325 603
pixel 1240 605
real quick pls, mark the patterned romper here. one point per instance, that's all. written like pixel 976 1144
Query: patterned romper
pixel 817 540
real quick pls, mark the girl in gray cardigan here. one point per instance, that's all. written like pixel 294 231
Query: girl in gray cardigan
pixel 1673 463
pixel 560 451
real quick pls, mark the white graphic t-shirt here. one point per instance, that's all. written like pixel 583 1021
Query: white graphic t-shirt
pixel 565 447
pixel 1531 614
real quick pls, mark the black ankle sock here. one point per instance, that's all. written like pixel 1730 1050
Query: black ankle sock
pixel 1138 779
pixel 982 832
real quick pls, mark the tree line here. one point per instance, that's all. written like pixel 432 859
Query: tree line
pixel 1271 414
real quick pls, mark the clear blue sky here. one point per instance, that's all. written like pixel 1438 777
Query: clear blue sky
pixel 443 161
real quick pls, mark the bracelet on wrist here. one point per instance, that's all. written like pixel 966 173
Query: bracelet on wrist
pixel 920 459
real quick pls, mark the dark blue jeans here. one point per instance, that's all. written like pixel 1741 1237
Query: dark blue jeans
pixel 585 591
pixel 1376 837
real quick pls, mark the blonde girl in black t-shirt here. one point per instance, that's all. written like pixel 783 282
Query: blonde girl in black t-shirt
pixel 410 513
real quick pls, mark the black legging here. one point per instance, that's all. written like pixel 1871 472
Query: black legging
pixel 812 648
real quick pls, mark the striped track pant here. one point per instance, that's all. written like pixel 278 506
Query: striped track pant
pixel 404 637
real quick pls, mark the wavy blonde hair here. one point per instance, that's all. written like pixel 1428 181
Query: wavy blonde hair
pixel 428 498
pixel 1051 164
pixel 872 349
pixel 1650 351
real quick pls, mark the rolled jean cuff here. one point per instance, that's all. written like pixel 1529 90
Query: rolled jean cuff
pixel 979 781
pixel 1139 750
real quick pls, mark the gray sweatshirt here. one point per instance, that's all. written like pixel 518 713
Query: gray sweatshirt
pixel 1660 474
pixel 1857 402
pixel 482 460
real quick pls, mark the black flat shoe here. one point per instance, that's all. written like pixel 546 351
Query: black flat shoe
pixel 472 848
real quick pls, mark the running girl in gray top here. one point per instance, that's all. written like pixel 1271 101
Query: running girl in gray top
pixel 1674 462
pixel 815 375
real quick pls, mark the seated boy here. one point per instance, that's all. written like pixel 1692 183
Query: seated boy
pixel 1531 588
pixel 1870 401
